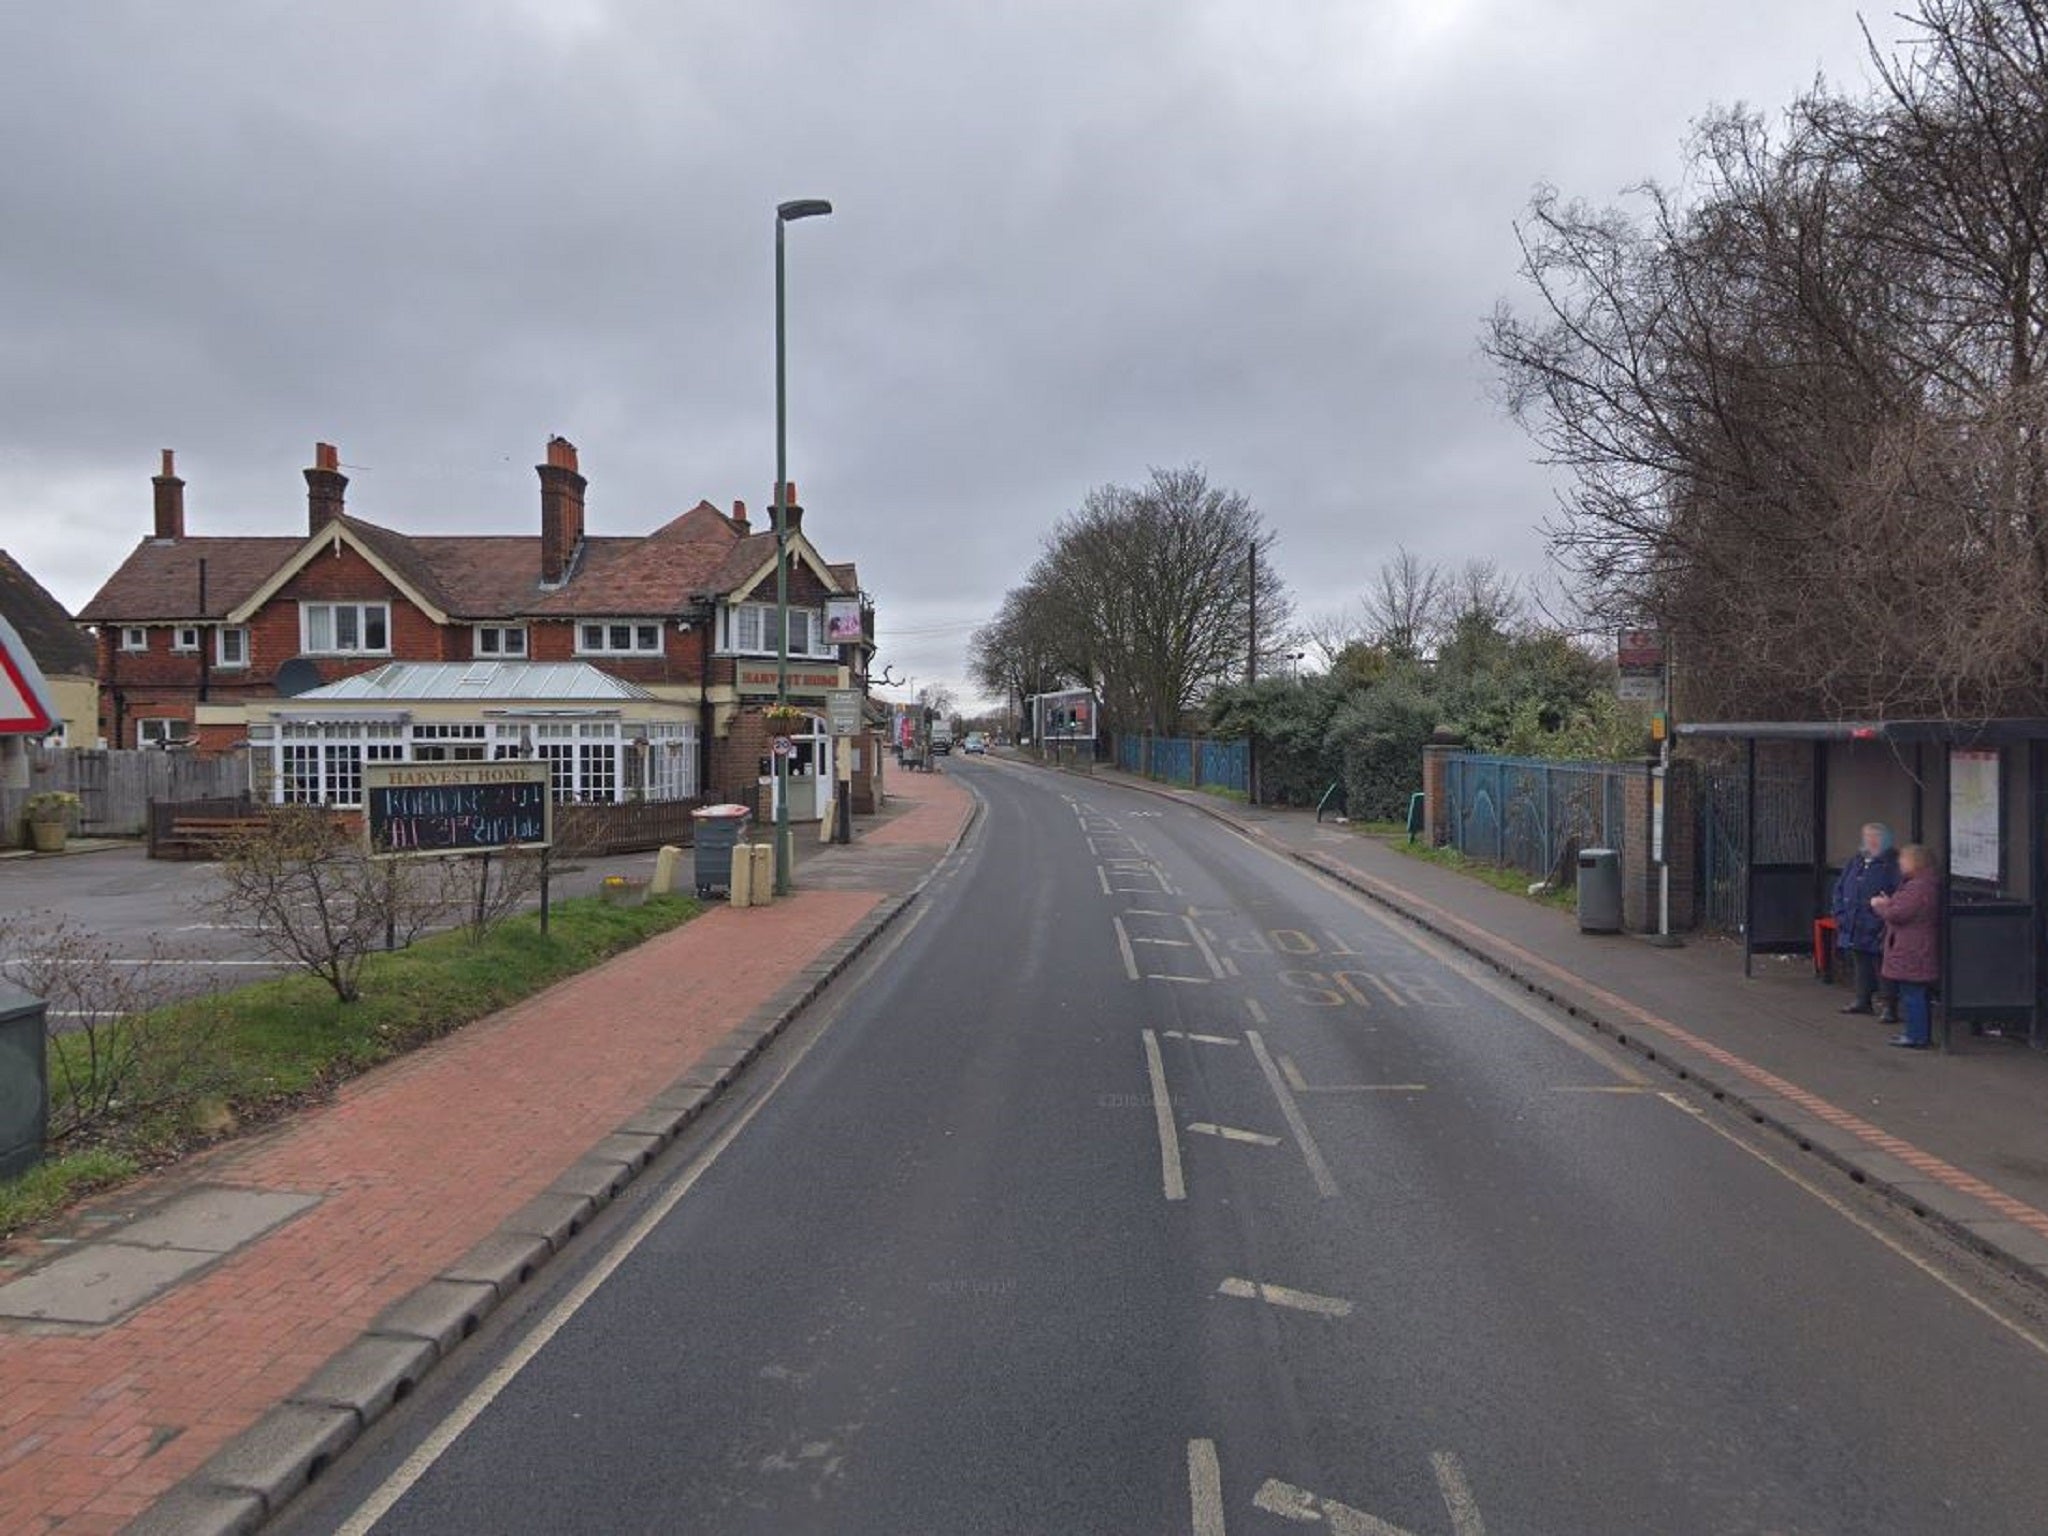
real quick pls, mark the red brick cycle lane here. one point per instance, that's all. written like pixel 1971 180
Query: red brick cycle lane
pixel 410 1166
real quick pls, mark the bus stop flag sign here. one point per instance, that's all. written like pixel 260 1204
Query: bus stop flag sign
pixel 26 707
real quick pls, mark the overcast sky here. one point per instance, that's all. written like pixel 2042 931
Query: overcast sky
pixel 1073 240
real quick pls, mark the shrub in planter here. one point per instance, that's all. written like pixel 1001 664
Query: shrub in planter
pixel 49 814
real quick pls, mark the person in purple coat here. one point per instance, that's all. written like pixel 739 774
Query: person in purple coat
pixel 1872 871
pixel 1912 943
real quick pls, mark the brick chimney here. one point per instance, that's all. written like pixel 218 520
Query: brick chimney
pixel 170 500
pixel 739 517
pixel 561 510
pixel 792 510
pixel 325 488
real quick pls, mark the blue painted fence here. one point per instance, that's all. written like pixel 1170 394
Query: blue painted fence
pixel 1524 813
pixel 1193 761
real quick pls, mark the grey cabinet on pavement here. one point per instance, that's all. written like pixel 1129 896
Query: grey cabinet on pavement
pixel 24 1080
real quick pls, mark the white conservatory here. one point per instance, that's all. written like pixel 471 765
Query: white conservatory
pixel 609 741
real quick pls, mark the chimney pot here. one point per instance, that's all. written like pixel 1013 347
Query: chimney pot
pixel 170 500
pixel 739 515
pixel 326 488
pixel 561 453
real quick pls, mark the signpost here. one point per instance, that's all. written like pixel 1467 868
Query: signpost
pixel 430 808
pixel 26 707
pixel 842 711
pixel 415 810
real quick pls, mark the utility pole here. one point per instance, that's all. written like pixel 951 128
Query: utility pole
pixel 1251 670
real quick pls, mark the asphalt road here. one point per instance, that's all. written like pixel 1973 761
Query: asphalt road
pixel 1397 1251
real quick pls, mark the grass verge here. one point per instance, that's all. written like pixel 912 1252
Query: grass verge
pixel 1492 874
pixel 211 1066
pixel 58 1182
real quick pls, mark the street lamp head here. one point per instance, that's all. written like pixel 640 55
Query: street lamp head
pixel 802 208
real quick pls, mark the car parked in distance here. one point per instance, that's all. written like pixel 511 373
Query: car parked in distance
pixel 975 742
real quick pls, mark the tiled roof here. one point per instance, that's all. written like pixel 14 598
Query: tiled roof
pixel 743 560
pixel 660 573
pixel 59 647
pixel 467 576
pixel 159 582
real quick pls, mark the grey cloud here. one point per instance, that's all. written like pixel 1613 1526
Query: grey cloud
pixel 1073 240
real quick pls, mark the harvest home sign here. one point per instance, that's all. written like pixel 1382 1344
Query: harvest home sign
pixel 422 808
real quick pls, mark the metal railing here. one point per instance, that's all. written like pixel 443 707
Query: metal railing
pixel 1530 813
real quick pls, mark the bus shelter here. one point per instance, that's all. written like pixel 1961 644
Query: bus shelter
pixel 1975 792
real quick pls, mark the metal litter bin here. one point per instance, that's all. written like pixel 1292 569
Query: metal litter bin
pixel 719 829
pixel 1599 890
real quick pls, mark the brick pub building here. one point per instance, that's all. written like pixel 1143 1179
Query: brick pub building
pixel 191 632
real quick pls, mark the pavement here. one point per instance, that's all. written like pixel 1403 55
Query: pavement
pixel 1145 1179
pixel 1956 1136
pixel 193 1347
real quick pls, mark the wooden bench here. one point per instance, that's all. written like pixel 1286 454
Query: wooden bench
pixel 201 837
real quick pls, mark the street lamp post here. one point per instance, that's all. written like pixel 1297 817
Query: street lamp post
pixel 785 213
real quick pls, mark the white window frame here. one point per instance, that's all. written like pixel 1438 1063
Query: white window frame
pixel 134 637
pixel 221 658
pixel 185 639
pixel 749 630
pixel 643 637
pixel 481 648
pixel 362 611
pixel 174 730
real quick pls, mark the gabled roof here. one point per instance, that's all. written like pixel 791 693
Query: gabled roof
pixel 159 582
pixel 699 554
pixel 752 560
pixel 59 647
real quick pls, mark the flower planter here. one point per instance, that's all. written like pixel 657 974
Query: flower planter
pixel 48 836
pixel 619 891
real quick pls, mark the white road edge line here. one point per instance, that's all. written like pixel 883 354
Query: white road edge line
pixel 1162 1112
pixel 1856 1219
pixel 1205 1488
pixel 1326 1186
pixel 1450 1478
pixel 1285 1296
pixel 484 1393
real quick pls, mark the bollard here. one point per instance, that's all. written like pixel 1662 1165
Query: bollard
pixel 764 874
pixel 740 886
pixel 666 863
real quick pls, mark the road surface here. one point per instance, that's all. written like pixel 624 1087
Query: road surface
pixel 1147 1183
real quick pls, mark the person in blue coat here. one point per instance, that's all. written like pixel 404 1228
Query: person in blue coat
pixel 1873 870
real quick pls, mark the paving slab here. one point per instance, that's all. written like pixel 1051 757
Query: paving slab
pixel 98 1283
pixel 215 1218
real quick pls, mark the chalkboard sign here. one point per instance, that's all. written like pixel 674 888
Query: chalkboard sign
pixel 426 808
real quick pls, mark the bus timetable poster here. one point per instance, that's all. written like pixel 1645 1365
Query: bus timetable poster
pixel 426 808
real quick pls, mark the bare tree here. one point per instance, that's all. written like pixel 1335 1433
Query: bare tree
pixel 1150 593
pixel 1404 605
pixel 311 894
